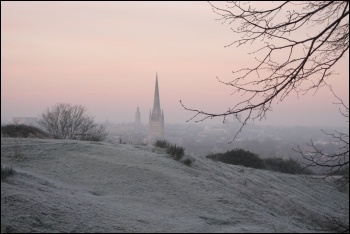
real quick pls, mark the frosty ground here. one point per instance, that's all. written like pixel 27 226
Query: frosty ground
pixel 76 186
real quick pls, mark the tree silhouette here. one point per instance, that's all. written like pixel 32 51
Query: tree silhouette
pixel 337 161
pixel 302 42
pixel 65 121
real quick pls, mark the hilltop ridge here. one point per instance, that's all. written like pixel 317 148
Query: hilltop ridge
pixel 75 186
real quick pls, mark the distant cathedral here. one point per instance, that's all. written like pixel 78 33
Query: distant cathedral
pixel 137 117
pixel 156 116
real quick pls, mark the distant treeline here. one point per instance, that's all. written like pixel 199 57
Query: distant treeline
pixel 22 130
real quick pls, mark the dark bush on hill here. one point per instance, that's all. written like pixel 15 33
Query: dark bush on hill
pixel 162 144
pixel 289 166
pixel 176 151
pixel 248 159
pixel 239 157
pixel 6 172
pixel 188 162
pixel 22 130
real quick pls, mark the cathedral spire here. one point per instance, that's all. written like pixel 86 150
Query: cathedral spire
pixel 138 117
pixel 156 118
pixel 156 103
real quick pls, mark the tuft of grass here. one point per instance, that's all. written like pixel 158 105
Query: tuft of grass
pixel 162 144
pixel 6 172
pixel 176 151
pixel 188 162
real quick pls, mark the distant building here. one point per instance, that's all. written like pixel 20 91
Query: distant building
pixel 137 117
pixel 156 117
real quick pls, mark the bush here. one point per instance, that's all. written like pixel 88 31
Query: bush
pixel 22 130
pixel 248 159
pixel 240 157
pixel 188 162
pixel 162 144
pixel 6 172
pixel 176 151
pixel 289 166
pixel 65 121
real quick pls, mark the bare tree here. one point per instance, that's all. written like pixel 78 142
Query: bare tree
pixel 65 121
pixel 337 162
pixel 302 42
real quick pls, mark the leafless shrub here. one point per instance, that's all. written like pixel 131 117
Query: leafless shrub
pixel 65 121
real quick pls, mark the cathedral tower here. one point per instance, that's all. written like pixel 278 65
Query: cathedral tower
pixel 156 116
pixel 138 117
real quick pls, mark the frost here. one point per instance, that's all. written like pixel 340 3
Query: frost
pixel 75 186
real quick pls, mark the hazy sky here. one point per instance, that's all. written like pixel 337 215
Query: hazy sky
pixel 105 56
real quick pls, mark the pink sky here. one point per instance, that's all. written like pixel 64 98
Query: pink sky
pixel 105 56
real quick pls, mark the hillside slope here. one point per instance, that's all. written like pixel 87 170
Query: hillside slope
pixel 74 186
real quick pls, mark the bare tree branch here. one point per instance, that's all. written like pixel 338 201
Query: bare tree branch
pixel 303 41
pixel 334 162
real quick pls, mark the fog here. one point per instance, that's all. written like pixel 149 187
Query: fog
pixel 106 55
pixel 139 68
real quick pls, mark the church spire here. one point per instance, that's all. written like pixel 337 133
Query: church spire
pixel 156 103
pixel 138 116
pixel 156 118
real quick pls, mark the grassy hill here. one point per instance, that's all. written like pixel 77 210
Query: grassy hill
pixel 76 186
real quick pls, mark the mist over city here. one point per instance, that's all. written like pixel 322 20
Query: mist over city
pixel 169 100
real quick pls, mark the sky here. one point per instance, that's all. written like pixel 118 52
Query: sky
pixel 106 55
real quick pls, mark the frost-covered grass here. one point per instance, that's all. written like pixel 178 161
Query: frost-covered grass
pixel 75 186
